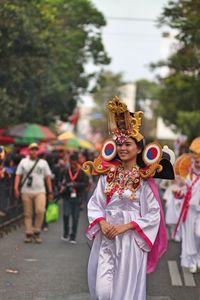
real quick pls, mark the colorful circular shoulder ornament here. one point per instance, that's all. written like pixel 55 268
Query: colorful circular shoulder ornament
pixel 152 153
pixel 109 150
pixel 183 165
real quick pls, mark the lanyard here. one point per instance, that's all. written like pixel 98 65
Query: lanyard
pixel 185 207
pixel 73 177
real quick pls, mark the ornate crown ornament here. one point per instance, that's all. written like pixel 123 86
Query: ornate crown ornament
pixel 195 147
pixel 122 123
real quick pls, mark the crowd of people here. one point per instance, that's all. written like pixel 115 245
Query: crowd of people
pixel 43 178
pixel 126 219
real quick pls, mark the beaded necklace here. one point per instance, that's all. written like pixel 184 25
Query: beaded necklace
pixel 119 179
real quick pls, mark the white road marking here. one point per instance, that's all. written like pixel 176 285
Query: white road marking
pixel 174 273
pixel 188 277
pixel 85 296
pixel 31 259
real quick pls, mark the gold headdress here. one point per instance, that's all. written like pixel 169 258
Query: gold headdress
pixel 195 146
pixel 183 164
pixel 122 123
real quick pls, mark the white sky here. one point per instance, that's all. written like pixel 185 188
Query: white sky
pixel 132 45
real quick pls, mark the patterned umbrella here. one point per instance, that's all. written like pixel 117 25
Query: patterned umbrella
pixel 86 145
pixel 28 133
pixel 5 140
pixel 73 143
pixel 66 136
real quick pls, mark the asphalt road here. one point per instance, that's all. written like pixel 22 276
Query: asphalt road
pixel 56 270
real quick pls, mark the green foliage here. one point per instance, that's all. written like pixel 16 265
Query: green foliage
pixel 146 89
pixel 189 121
pixel 44 46
pixel 179 94
pixel 147 93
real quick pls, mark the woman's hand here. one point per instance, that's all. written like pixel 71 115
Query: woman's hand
pixel 105 227
pixel 118 229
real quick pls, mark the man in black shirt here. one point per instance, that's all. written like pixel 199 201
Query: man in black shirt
pixel 74 183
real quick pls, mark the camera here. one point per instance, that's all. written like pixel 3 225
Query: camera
pixel 29 181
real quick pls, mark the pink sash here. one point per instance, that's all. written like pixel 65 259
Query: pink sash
pixel 160 244
pixel 185 207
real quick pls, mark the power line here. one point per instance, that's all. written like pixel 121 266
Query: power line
pixel 131 19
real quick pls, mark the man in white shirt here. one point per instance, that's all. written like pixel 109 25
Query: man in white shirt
pixel 33 191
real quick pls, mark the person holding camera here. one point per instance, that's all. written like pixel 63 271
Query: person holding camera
pixel 31 176
pixel 74 183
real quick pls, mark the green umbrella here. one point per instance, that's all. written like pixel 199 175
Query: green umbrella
pixel 26 133
pixel 73 143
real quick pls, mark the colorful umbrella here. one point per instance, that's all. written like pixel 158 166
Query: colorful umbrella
pixel 66 136
pixel 73 143
pixel 5 140
pixel 86 145
pixel 28 133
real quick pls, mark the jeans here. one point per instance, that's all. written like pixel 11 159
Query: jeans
pixel 71 207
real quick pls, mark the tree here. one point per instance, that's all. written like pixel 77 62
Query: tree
pixel 44 46
pixel 179 93
pixel 108 85
pixel 146 90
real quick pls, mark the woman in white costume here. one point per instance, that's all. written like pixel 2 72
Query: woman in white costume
pixel 189 219
pixel 173 207
pixel 125 215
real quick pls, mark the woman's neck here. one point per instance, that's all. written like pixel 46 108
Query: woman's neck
pixel 128 165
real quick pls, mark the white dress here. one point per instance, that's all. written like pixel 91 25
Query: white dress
pixel 173 209
pixel 190 254
pixel 117 268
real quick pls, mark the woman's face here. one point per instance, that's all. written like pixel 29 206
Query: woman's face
pixel 128 150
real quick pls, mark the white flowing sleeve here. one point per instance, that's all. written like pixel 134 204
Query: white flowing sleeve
pixel 146 227
pixel 96 208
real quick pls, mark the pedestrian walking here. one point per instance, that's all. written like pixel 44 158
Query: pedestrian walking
pixel 31 176
pixel 125 213
pixel 74 184
pixel 189 219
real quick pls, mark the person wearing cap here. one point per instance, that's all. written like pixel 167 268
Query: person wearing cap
pixel 188 166
pixel 32 174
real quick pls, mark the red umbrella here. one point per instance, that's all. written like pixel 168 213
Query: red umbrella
pixel 5 140
pixel 29 133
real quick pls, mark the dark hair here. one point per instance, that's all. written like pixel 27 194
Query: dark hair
pixel 139 159
pixel 74 157
pixel 139 144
